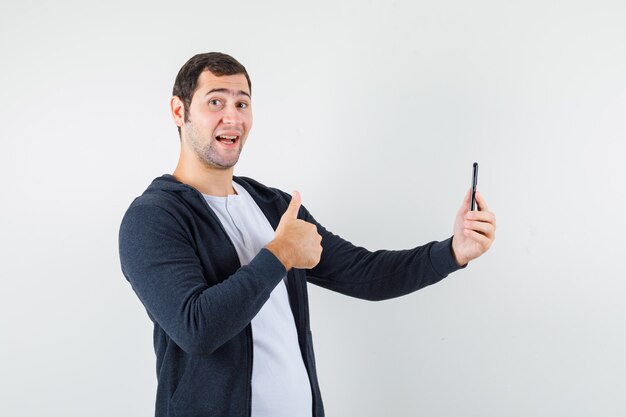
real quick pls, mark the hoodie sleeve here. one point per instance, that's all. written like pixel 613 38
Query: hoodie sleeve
pixel 379 275
pixel 165 272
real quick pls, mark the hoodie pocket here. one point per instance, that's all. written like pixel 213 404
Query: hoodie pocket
pixel 183 384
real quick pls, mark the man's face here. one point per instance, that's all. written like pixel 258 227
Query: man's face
pixel 220 117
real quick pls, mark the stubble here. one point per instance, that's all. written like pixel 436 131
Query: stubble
pixel 209 153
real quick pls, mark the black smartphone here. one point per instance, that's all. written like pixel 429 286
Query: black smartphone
pixel 474 183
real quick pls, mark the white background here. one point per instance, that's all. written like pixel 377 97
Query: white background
pixel 375 111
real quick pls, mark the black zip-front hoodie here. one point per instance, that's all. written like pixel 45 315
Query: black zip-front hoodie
pixel 183 267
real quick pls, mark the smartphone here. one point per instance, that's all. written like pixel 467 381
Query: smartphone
pixel 474 183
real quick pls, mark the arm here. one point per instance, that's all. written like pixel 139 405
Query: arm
pixel 384 274
pixel 164 270
pixel 379 275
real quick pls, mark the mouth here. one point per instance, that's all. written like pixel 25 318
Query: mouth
pixel 227 139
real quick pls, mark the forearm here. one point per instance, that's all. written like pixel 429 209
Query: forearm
pixel 383 274
pixel 165 272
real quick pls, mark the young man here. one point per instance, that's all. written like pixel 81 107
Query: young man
pixel 221 264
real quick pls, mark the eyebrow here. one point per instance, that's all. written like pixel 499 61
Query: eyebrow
pixel 227 90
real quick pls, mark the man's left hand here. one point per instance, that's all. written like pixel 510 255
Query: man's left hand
pixel 474 231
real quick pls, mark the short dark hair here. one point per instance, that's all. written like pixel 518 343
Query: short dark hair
pixel 187 79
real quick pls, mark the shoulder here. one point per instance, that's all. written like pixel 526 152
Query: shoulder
pixel 151 212
pixel 164 201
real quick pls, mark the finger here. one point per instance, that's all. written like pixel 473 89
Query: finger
pixel 482 204
pixel 481 216
pixel 294 205
pixel 484 228
pixel 483 240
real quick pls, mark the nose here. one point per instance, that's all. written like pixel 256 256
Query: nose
pixel 231 116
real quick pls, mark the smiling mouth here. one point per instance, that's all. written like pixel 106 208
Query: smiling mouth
pixel 228 140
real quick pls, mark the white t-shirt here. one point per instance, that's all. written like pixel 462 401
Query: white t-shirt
pixel 280 383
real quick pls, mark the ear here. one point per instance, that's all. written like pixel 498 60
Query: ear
pixel 178 111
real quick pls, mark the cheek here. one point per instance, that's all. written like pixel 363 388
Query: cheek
pixel 208 120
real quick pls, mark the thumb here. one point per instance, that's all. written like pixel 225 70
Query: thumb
pixel 465 206
pixel 294 205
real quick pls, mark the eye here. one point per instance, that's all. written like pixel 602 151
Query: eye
pixel 243 105
pixel 214 102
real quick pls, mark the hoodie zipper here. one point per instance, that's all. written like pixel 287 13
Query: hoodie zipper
pixel 299 298
pixel 250 360
pixel 249 344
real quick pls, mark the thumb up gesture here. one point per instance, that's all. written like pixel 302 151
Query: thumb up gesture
pixel 296 242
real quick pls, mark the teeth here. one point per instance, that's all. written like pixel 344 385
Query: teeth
pixel 227 139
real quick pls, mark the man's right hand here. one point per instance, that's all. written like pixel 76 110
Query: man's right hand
pixel 296 242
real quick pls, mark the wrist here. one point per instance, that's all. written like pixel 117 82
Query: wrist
pixel 281 253
pixel 460 261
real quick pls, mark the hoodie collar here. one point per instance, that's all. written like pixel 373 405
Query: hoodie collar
pixel 168 182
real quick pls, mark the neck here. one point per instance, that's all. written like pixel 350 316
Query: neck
pixel 207 180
